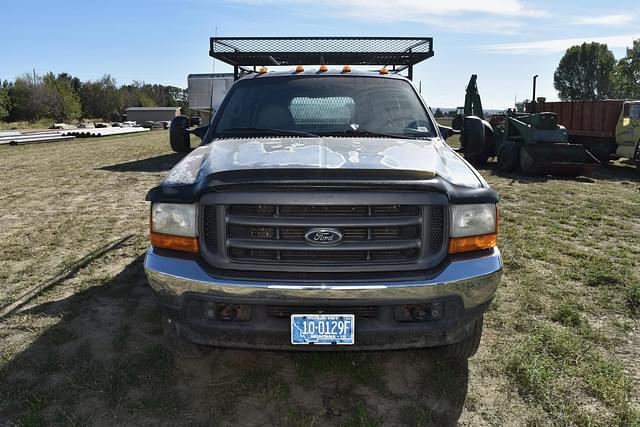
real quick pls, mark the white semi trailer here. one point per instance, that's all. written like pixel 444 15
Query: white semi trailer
pixel 206 92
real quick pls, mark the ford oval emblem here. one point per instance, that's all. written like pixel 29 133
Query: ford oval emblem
pixel 323 236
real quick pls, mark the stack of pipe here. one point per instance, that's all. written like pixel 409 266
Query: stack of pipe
pixel 87 132
pixel 15 138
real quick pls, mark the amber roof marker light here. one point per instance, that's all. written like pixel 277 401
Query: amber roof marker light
pixel 299 69
pixel 263 70
pixel 323 68
pixel 346 69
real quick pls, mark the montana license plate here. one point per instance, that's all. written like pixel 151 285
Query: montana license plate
pixel 322 329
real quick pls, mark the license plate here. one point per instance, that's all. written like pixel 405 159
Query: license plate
pixel 322 329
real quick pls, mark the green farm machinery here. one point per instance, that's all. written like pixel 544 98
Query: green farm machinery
pixel 472 104
pixel 533 143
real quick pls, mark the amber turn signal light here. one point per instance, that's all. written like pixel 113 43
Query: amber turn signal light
pixel 176 243
pixel 473 243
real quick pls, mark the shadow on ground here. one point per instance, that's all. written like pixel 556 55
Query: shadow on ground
pixel 154 164
pixel 617 172
pixel 104 362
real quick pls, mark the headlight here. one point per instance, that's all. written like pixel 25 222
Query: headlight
pixel 473 227
pixel 173 218
pixel 473 220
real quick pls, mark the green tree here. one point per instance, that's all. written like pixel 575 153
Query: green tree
pixel 63 97
pixel 626 74
pixel 63 102
pixel 75 82
pixel 28 98
pixel 584 73
pixel 5 100
pixel 101 99
pixel 438 113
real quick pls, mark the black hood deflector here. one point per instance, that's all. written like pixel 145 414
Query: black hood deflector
pixel 322 180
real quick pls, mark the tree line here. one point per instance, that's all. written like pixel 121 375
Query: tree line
pixel 62 97
pixel 590 72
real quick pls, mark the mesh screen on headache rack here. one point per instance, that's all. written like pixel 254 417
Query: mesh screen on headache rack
pixel 400 52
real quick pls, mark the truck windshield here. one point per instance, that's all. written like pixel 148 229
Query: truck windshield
pixel 323 105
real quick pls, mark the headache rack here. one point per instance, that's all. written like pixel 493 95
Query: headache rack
pixel 247 53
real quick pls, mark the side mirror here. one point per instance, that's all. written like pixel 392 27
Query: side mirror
pixel 472 137
pixel 200 131
pixel 456 123
pixel 178 134
pixel 446 131
pixel 195 121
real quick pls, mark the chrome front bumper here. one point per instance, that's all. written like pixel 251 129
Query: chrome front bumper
pixel 473 279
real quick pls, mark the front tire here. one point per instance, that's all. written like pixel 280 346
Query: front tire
pixel 468 347
pixel 508 157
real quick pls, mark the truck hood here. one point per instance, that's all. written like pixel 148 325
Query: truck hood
pixel 426 158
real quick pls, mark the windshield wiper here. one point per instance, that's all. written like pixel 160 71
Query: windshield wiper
pixel 361 132
pixel 269 131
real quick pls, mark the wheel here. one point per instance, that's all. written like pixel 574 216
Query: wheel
pixel 636 156
pixel 508 157
pixel 178 346
pixel 468 347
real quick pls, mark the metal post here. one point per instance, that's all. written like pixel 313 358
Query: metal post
pixel 410 72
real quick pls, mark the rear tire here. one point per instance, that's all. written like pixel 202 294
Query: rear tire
pixel 636 156
pixel 468 347
pixel 179 347
pixel 508 157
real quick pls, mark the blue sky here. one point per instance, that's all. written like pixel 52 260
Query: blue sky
pixel 505 42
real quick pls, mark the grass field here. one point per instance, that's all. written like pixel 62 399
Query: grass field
pixel 561 343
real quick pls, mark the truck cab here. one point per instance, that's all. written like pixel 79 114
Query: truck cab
pixel 628 131
pixel 323 210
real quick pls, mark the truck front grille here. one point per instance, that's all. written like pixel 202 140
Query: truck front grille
pixel 266 237
pixel 277 233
